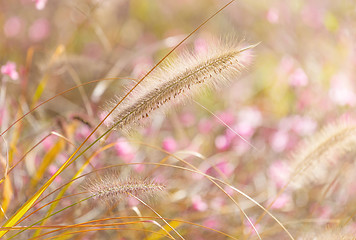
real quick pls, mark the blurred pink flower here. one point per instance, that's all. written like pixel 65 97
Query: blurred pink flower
pixel 211 223
pixel 281 201
pixel 139 168
pixel 286 65
pixel 298 78
pixel 223 166
pixel 124 150
pixel 313 15
pixel 279 141
pixel 205 126
pixel 304 126
pixel 13 26
pixel 142 66
pixel 52 169
pixel 40 4
pixel 48 143
pixel 39 30
pixel 109 121
pixel 227 117
pixel 200 46
pixel 273 15
pixel 222 142
pixel 249 228
pixel 248 120
pixel 9 69
pixel 187 119
pixel 82 132
pixel 341 90
pixel 169 144
pixel 279 173
pixel 199 204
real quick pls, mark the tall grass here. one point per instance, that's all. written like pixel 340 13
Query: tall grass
pixel 212 148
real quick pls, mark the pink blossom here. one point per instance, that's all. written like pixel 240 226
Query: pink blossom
pixel 13 26
pixel 200 46
pixel 40 4
pixel 223 166
pixel 218 202
pixel 124 150
pixel 142 66
pixel 39 30
pixel 199 204
pixel 9 69
pixel 341 90
pixel 169 144
pixel 273 15
pixel 139 168
pixel 211 223
pixel 82 132
pixel 304 126
pixel 313 15
pixel 279 173
pixel 205 126
pixel 249 228
pixel 286 65
pixel 281 201
pixel 248 120
pixel 187 119
pixel 52 169
pixel 298 78
pixel 227 117
pixel 222 143
pixel 279 141
pixel 108 121
pixel 48 143
pixel 251 115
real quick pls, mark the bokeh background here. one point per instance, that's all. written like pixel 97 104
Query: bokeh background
pixel 301 79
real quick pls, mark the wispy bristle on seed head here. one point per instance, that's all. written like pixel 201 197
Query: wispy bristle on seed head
pixel 312 160
pixel 179 80
pixel 110 188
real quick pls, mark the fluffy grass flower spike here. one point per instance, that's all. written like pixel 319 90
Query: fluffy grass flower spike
pixel 314 157
pixel 179 80
pixel 110 188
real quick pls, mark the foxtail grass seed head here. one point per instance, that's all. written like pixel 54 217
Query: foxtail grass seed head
pixel 110 188
pixel 313 159
pixel 178 80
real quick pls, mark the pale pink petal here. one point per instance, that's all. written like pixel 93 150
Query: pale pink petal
pixel 205 126
pixel 222 143
pixel 281 201
pixel 273 15
pixel 298 78
pixel 9 69
pixel 279 173
pixel 342 90
pixel 39 30
pixel 199 204
pixel 40 4
pixel 200 46
pixel 279 141
pixel 13 26
pixel 169 144
pixel 304 126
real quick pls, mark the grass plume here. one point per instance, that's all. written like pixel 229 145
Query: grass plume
pixel 179 80
pixel 110 188
pixel 315 156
